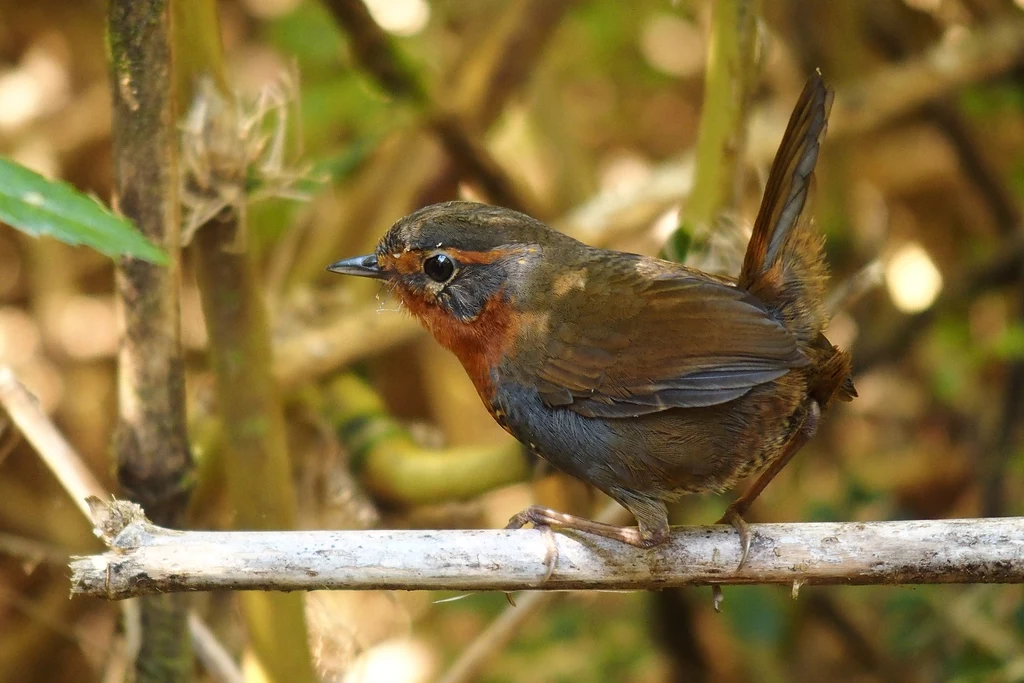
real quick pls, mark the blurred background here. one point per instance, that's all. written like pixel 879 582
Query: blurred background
pixel 585 114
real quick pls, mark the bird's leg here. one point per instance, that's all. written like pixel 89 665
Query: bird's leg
pixel 643 536
pixel 734 513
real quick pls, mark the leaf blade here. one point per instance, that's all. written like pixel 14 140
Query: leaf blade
pixel 38 206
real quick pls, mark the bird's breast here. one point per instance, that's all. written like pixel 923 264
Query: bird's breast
pixel 480 344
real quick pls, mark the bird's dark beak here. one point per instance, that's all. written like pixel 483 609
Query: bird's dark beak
pixel 362 266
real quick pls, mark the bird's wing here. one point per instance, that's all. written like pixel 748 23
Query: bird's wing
pixel 646 344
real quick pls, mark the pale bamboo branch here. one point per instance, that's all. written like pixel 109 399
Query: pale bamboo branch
pixel 145 559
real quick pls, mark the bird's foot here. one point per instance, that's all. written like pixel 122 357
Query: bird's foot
pixel 540 516
pixel 547 519
pixel 525 517
pixel 733 516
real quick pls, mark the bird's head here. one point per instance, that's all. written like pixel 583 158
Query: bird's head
pixel 462 268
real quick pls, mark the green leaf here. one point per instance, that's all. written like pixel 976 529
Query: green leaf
pixel 37 206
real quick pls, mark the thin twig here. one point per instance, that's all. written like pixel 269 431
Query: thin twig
pixel 146 559
pixel 67 465
pixel 476 162
pixel 32 551
pixel 211 653
pixel 53 448
pixel 375 51
pixel 849 291
pixel 498 634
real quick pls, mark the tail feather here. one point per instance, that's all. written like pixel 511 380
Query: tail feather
pixel 789 182
pixel 784 265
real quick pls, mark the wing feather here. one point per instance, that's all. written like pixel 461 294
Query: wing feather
pixel 677 341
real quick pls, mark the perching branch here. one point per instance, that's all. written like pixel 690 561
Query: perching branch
pixel 145 559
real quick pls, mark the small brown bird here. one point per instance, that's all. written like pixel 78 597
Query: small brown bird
pixel 639 376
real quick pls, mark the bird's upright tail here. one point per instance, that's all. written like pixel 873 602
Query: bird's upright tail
pixel 784 265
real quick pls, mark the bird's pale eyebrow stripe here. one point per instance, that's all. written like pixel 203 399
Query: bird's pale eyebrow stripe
pixel 404 263
pixel 489 256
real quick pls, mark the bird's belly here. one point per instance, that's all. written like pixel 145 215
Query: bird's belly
pixel 576 445
pixel 665 454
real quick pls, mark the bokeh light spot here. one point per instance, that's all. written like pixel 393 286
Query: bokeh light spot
pixel 401 17
pixel 912 279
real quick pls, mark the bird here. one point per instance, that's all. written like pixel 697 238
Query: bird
pixel 640 376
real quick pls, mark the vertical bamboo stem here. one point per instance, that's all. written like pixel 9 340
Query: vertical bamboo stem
pixel 153 459
pixel 721 140
pixel 255 449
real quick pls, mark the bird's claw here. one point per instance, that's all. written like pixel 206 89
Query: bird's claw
pixel 518 521
pixel 733 518
pixel 550 552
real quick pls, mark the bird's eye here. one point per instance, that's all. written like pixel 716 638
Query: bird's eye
pixel 439 268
